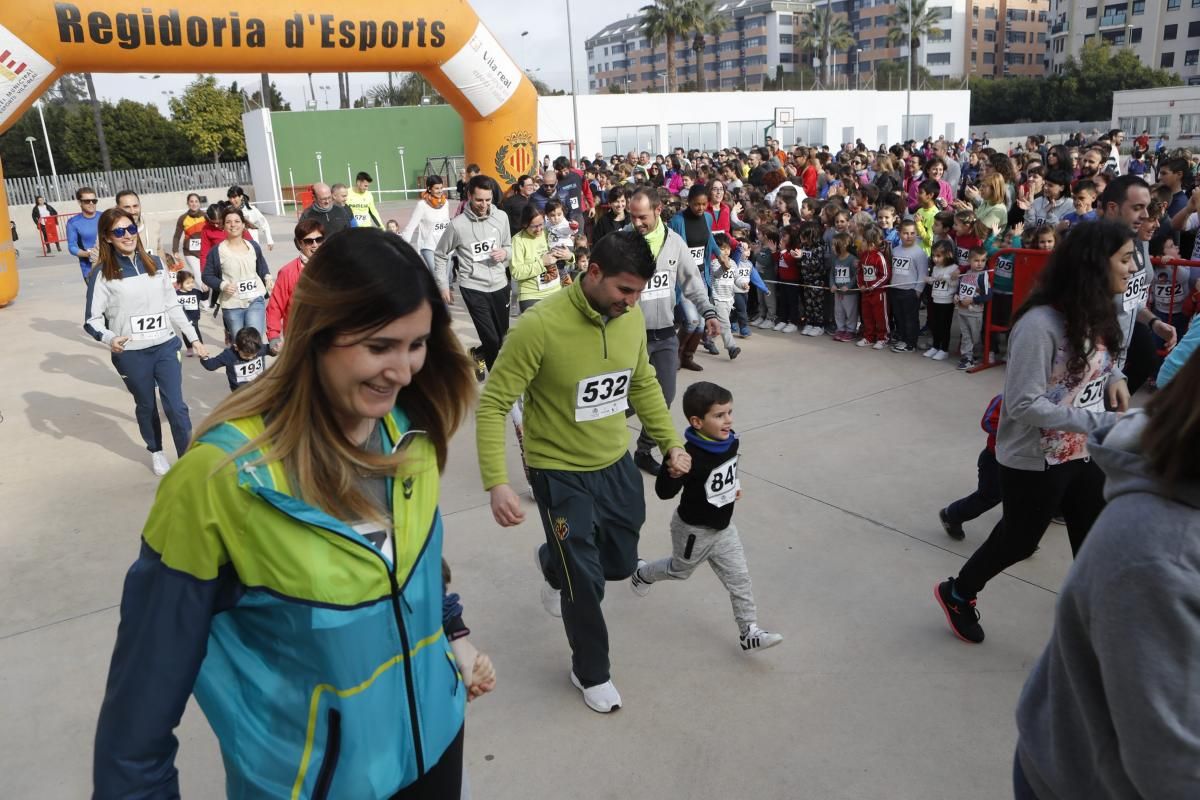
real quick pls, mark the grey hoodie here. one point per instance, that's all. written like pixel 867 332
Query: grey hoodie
pixel 471 238
pixel 1112 708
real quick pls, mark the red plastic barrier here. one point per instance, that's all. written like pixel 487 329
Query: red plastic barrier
pixel 1027 266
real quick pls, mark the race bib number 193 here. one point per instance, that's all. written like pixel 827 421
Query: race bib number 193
pixel 247 371
pixel 602 396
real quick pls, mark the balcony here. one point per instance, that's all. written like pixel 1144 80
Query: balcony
pixel 1113 21
pixel 1058 29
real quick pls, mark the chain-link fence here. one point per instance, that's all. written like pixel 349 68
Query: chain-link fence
pixel 23 191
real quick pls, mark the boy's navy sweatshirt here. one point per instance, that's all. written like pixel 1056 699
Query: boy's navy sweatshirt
pixel 190 301
pixel 239 371
pixel 710 488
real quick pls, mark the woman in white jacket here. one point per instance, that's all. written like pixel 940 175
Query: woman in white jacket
pixel 429 220
pixel 256 221
pixel 132 309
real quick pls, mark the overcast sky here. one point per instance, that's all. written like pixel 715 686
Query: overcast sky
pixel 541 51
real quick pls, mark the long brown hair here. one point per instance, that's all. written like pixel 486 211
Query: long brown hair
pixel 1172 434
pixel 357 282
pixel 110 268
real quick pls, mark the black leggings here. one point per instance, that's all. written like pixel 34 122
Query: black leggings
pixel 1141 361
pixel 941 315
pixel 1030 500
pixel 443 780
pixel 489 312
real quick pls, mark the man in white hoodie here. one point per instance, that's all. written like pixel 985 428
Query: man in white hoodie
pixel 480 240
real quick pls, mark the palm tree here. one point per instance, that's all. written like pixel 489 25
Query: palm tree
pixel 707 21
pixel 826 33
pixel 912 22
pixel 663 21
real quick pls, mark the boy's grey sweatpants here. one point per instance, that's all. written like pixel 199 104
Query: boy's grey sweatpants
pixel 691 546
pixel 724 309
pixel 845 311
pixel 970 327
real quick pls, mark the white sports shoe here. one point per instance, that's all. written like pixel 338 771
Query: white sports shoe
pixel 551 598
pixel 862 343
pixel 765 323
pixel 930 353
pixel 940 355
pixel 602 698
pixel 879 345
pixel 779 326
pixel 640 587
pixel 755 638
pixel 789 328
pixel 159 463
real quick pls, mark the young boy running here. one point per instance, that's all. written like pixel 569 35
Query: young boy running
pixel 702 527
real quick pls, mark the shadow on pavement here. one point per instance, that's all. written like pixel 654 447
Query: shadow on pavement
pixel 63 329
pixel 86 368
pixel 63 417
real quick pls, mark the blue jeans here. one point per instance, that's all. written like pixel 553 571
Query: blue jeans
pixel 252 316
pixel 143 371
pixel 428 256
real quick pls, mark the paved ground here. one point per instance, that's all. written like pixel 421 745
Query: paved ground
pixel 847 455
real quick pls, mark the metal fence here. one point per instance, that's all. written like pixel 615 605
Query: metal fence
pixel 23 191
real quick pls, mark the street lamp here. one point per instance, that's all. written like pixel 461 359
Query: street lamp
pixel 857 66
pixel 36 169
pixel 663 75
pixel 320 169
pixel 908 88
pixel 49 152
pixel 325 89
pixel 571 57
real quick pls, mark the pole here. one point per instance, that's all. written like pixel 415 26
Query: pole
pixel 404 173
pixel 571 56
pixel 292 183
pixel 37 170
pixel 349 175
pixel 908 88
pixel 320 169
pixel 378 182
pixel 49 153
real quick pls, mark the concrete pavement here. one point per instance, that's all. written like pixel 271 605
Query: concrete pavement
pixel 847 455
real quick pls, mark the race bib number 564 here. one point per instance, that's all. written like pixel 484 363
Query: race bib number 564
pixel 602 396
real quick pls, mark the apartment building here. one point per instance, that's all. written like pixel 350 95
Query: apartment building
pixel 990 38
pixel 1163 33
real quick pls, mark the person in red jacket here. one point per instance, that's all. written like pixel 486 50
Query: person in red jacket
pixel 987 492
pixel 809 177
pixel 874 275
pixel 309 235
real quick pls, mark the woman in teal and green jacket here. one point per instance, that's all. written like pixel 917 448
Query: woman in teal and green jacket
pixel 290 573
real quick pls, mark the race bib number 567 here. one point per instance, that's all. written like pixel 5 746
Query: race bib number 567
pixel 602 396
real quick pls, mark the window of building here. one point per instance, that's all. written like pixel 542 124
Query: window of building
pixel 1170 31
pixel 1172 5
pixel 1193 29
pixel 806 131
pixel 937 59
pixel 591 69
pixel 1041 38
pixel 755 22
pixel 881 42
pixel 1090 13
pixel 974 34
pixel 785 19
pixel 881 21
pixel 746 133
pixel 694 135
pixel 989 35
pixel 618 49
pixel 991 13
pixel 841 7
pixel 973 56
pixel 756 41
pixel 629 137
pixel 942 36
pixel 786 58
pixel 1189 125
pixel 989 58
pixel 1168 61
pixel 1191 58
pixel 785 38
pixel 1139 7
pixel 1039 59
pixel 975 12
pixel 754 61
pixel 1135 35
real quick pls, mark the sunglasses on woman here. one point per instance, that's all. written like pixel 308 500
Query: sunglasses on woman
pixel 128 230
pixel 313 240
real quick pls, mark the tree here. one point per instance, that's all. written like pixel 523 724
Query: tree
pixel 912 22
pixel 663 21
pixel 706 21
pixel 101 142
pixel 409 91
pixel 343 89
pixel 277 101
pixel 210 118
pixel 140 135
pixel 826 33
pixel 893 75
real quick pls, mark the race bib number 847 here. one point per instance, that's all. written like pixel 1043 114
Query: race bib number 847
pixel 721 486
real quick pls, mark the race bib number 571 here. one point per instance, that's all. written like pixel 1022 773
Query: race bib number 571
pixel 602 396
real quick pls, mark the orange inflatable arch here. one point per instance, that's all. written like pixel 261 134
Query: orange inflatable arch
pixel 445 41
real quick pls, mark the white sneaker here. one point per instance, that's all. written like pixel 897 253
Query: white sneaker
pixel 754 322
pixel 788 328
pixel 862 343
pixel 806 330
pixel 640 587
pixel 755 638
pixel 602 698
pixel 779 326
pixel 551 597
pixel 879 345
pixel 930 353
pixel 765 323
pixel 940 355
pixel 159 463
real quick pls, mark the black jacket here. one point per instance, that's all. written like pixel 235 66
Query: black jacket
pixel 333 219
pixel 710 489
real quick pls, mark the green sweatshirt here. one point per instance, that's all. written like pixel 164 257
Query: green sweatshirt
pixel 577 371
pixel 527 268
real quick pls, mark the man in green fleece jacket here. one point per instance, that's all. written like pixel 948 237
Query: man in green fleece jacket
pixel 579 358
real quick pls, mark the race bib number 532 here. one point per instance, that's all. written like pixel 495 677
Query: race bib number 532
pixel 602 396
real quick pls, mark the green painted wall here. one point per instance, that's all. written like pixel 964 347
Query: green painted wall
pixel 362 137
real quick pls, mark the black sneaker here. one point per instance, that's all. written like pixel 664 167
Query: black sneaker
pixel 960 614
pixel 953 529
pixel 480 365
pixel 734 353
pixel 647 463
